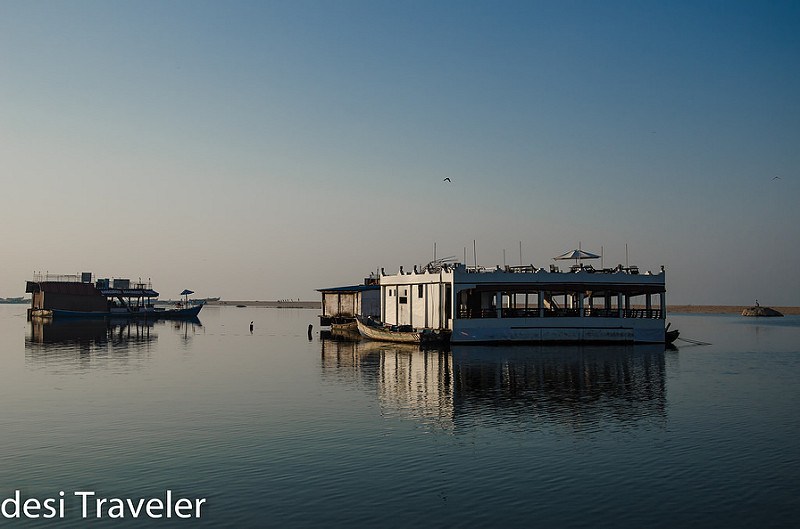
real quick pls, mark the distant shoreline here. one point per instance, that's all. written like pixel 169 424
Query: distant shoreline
pixel 271 304
pixel 686 309
pixel 724 309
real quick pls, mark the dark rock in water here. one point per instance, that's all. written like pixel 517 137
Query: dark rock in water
pixel 761 312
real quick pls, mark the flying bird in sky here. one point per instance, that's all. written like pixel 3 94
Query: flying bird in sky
pixel 776 177
pixel 447 179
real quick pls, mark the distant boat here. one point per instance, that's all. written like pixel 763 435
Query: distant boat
pixel 18 300
pixel 68 296
pixel 203 301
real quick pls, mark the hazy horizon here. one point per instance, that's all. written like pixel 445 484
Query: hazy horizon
pixel 263 150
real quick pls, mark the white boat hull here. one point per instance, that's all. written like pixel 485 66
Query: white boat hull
pixel 590 330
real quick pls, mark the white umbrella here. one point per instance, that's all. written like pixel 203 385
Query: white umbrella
pixel 576 254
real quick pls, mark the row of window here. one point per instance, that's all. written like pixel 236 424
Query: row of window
pixel 404 298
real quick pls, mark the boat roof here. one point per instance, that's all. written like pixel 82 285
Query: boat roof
pixel 129 292
pixel 623 279
pixel 353 288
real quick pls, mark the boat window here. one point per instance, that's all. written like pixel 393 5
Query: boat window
pixel 403 300
pixel 419 291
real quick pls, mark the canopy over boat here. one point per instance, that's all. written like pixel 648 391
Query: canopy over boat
pixel 576 255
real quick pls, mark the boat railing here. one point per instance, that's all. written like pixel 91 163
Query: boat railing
pixel 46 277
pixel 529 312
pixel 39 277
pixel 554 269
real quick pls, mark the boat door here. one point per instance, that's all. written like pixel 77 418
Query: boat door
pixel 403 307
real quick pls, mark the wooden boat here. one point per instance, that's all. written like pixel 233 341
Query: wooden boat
pixel 374 330
pixel 670 336
pixel 350 326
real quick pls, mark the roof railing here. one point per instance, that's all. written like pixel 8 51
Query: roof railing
pixel 40 277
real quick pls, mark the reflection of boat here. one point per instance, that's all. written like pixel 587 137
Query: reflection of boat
pixel 367 347
pixel 77 297
pixel 98 331
pixel 579 386
pixel 344 333
pixel 374 330
pixel 90 331
pixel 576 385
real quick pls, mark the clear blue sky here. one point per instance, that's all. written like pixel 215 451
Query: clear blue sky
pixel 262 150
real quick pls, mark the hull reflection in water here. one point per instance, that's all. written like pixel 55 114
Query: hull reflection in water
pixel 580 387
pixel 52 340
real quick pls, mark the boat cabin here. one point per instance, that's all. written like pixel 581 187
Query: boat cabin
pixel 528 304
pixel 340 305
pixel 79 294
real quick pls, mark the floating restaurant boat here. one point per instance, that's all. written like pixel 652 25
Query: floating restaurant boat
pixel 72 296
pixel 527 304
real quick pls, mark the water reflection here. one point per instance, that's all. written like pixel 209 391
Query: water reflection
pixel 580 387
pixel 53 341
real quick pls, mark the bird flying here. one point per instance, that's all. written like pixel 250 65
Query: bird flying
pixel 776 177
pixel 447 179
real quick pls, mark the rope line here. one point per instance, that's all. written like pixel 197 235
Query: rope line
pixel 693 342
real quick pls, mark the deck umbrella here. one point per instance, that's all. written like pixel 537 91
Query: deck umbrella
pixel 185 294
pixel 577 255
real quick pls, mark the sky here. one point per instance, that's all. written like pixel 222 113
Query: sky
pixel 262 150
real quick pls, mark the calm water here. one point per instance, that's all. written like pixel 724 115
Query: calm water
pixel 276 430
